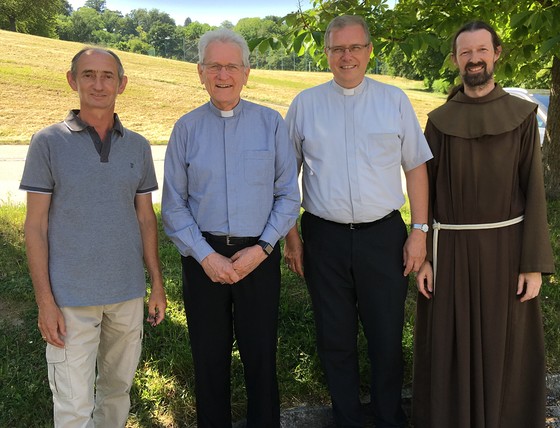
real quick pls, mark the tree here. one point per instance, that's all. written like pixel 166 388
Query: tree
pixel 99 5
pixel 227 24
pixel 82 26
pixel 529 28
pixel 253 28
pixel 111 20
pixel 191 35
pixel 146 19
pixel 66 8
pixel 127 27
pixel 37 17
pixel 161 37
pixel 551 148
pixel 137 45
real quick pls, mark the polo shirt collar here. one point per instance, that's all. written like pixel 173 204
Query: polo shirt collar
pixel 74 123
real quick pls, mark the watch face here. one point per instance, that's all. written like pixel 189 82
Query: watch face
pixel 423 227
pixel 267 248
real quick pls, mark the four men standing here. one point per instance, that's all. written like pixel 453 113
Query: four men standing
pixel 231 194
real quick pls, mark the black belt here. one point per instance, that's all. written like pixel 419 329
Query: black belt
pixel 355 226
pixel 231 240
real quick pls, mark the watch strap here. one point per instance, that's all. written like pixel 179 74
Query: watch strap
pixel 421 226
pixel 267 248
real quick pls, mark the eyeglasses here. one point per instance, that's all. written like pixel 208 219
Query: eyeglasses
pixel 216 68
pixel 353 49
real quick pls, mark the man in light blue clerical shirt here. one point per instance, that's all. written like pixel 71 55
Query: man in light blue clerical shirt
pixel 230 193
pixel 352 135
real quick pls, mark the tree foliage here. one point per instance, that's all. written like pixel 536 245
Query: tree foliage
pixel 191 34
pixel 37 17
pixel 84 25
pixel 98 5
pixel 530 30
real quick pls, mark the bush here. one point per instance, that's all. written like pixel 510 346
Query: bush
pixel 441 86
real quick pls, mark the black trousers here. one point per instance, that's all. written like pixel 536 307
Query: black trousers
pixel 214 312
pixel 358 274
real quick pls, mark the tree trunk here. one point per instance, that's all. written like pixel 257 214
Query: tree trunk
pixel 551 146
pixel 12 20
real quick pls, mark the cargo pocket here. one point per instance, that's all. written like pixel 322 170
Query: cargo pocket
pixel 59 372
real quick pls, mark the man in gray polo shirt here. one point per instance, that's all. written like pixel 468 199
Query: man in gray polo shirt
pixel 90 226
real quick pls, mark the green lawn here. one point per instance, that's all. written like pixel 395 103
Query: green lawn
pixel 163 394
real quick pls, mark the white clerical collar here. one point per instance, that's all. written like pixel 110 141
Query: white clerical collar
pixel 352 91
pixel 226 113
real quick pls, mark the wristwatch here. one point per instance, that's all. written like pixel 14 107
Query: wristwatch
pixel 423 227
pixel 267 248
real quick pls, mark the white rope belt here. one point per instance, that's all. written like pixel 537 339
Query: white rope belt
pixel 439 226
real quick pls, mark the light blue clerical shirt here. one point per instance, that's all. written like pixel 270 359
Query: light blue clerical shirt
pixel 352 144
pixel 229 173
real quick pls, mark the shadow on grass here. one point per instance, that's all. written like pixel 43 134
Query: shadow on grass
pixel 163 390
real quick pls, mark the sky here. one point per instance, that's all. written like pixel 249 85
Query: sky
pixel 212 12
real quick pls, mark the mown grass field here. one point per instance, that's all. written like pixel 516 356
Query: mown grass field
pixel 34 94
pixel 34 91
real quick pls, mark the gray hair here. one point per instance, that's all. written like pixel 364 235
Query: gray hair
pixel 343 21
pixel 225 36
pixel 74 63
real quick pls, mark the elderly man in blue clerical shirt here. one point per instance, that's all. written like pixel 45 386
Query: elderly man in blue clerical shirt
pixel 230 194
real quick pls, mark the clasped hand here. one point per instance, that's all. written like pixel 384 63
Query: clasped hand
pixel 227 270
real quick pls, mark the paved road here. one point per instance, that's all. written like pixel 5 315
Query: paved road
pixel 12 159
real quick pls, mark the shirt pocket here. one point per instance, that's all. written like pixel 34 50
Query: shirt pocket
pixel 59 372
pixel 258 166
pixel 384 149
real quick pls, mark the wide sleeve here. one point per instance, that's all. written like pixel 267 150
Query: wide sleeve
pixel 434 138
pixel 536 251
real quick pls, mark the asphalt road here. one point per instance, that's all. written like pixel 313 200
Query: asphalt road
pixel 12 160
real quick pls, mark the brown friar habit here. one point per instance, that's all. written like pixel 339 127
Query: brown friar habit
pixel 479 352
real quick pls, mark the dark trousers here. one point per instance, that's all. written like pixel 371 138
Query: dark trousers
pixel 214 312
pixel 355 274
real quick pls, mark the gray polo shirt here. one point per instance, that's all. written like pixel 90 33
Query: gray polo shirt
pixel 95 247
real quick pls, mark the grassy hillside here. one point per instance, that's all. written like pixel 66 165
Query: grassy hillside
pixel 35 93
